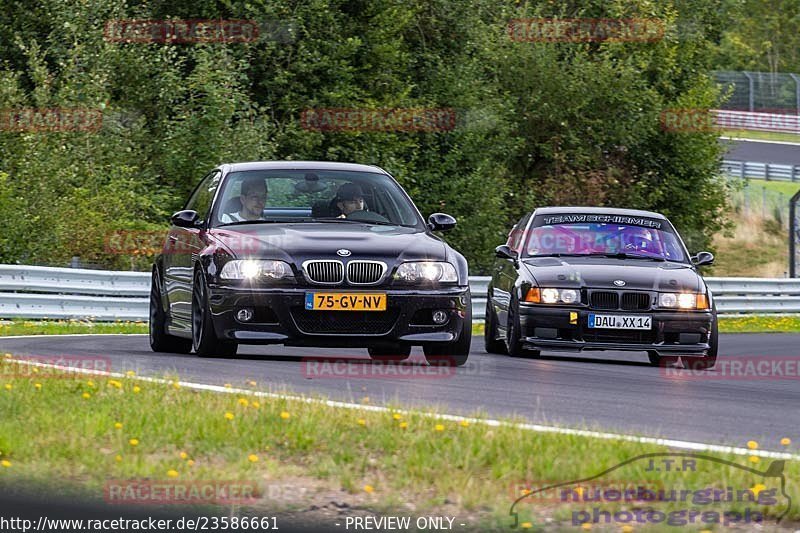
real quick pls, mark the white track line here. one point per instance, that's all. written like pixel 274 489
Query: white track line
pixel 681 444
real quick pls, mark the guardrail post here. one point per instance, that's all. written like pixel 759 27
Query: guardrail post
pixel 76 262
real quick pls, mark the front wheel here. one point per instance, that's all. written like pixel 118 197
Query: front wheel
pixel 204 340
pixel 160 340
pixel 490 342
pixel 514 346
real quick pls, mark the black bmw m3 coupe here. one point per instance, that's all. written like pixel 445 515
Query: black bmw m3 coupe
pixel 584 278
pixel 308 254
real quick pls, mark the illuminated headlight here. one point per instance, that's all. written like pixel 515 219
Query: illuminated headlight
pixel 683 300
pixel 255 269
pixel 551 296
pixel 431 271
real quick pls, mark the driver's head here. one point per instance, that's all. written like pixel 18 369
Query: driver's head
pixel 350 198
pixel 253 197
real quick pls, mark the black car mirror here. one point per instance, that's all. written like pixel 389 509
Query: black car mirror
pixel 505 252
pixel 703 258
pixel 186 219
pixel 441 222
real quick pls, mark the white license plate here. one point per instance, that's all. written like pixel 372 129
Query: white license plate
pixel 620 322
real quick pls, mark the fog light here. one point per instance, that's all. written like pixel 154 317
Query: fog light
pixel 439 316
pixel 244 315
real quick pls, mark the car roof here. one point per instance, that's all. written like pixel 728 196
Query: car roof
pixel 300 165
pixel 556 210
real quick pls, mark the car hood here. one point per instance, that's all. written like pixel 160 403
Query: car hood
pixel 601 272
pixel 314 240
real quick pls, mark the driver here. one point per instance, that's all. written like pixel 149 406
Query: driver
pixel 253 199
pixel 349 198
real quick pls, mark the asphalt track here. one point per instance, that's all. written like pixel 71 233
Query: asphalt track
pixel 608 391
pixel 762 152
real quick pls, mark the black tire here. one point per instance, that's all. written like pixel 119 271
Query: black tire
pixel 204 340
pixel 490 341
pixel 160 340
pixel 707 362
pixel 395 353
pixel 513 340
pixel 453 353
pixel 662 360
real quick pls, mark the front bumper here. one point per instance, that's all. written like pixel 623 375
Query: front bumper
pixel 281 318
pixel 672 332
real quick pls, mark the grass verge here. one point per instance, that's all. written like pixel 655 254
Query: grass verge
pixel 67 432
pixel 65 327
pixel 761 135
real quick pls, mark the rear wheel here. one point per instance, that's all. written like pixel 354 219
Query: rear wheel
pixel 160 340
pixel 514 345
pixel 490 340
pixel 204 340
pixel 453 353
pixel 394 353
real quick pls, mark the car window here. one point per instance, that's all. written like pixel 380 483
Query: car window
pixel 203 195
pixel 515 237
pixel 601 239
pixel 306 196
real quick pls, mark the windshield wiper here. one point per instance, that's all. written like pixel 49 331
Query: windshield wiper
pixel 625 255
pixel 266 221
pixel 559 255
pixel 356 221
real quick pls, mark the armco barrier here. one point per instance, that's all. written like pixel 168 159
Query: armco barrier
pixel 62 293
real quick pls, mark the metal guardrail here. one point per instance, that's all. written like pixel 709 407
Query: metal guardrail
pixel 746 120
pixel 761 171
pixel 64 293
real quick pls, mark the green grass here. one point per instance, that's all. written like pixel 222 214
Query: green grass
pixel 760 324
pixel 63 327
pixel 786 188
pixel 61 437
pixel 761 135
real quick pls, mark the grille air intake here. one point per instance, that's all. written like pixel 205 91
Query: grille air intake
pixel 365 272
pixel 604 300
pixel 324 271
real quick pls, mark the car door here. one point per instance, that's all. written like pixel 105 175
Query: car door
pixel 185 244
pixel 504 273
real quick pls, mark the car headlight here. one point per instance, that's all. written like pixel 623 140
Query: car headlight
pixel 551 296
pixel 683 300
pixel 256 269
pixel 430 271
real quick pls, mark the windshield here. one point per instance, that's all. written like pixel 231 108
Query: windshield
pixel 604 239
pixel 259 196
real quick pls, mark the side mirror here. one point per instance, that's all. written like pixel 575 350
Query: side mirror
pixel 504 252
pixel 703 258
pixel 185 219
pixel 441 222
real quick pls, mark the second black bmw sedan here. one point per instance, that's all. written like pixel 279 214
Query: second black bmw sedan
pixel 581 278
pixel 309 254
